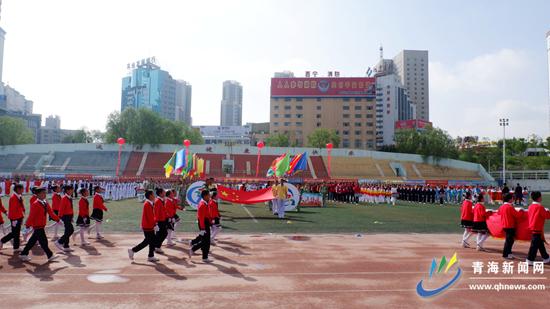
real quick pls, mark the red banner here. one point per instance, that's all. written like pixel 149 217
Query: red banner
pixel 522 226
pixel 323 87
pixel 244 197
pixel 412 124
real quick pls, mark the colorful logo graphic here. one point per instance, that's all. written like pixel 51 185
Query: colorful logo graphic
pixel 293 197
pixel 422 292
pixel 193 195
pixel 323 85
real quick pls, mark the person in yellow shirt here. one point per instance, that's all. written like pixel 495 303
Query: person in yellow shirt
pixel 282 193
pixel 275 202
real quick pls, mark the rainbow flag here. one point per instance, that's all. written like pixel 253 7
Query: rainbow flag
pixel 298 163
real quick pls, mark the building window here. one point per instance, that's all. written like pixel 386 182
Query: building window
pixel 370 132
pixel 346 124
pixel 370 124
pixel 346 99
pixel 345 115
pixel 287 124
pixel 318 107
pixel 357 132
pixel 369 116
pixel 357 124
pixel 357 99
pixel 287 107
pixel 299 107
pixel 358 107
pixel 345 143
pixel 298 124
pixel 318 124
pixel 358 115
pixel 276 107
pixel 345 107
pixel 318 116
pixel 369 108
pixel 358 143
pixel 299 99
pixel 287 99
pixel 318 99
pixel 275 115
pixel 299 116
pixel 287 115
pixel 275 123
pixel 345 132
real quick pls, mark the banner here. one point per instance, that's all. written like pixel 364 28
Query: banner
pixel 522 225
pixel 311 200
pixel 193 195
pixel 244 197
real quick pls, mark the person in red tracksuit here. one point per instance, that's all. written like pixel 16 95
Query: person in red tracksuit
pixel 537 216
pixel 480 223
pixel 215 215
pixel 162 220
pixel 83 219
pixel 2 211
pixel 37 221
pixel 171 207
pixel 56 205
pixel 66 214
pixel 508 218
pixel 97 212
pixel 203 239
pixel 16 213
pixel 148 225
pixel 467 219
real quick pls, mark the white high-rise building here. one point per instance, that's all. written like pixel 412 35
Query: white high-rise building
pixel 232 104
pixel 412 68
pixel 183 101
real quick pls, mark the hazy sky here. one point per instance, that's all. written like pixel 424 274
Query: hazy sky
pixel 488 59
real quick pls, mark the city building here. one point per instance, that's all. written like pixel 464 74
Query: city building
pixel 51 133
pixel 412 68
pixel 183 101
pixel 258 132
pixel 347 105
pixel 232 104
pixel 147 86
pixel 225 135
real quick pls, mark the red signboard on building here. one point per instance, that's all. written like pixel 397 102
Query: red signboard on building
pixel 323 87
pixel 412 124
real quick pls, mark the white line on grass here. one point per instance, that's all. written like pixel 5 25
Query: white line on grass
pixel 249 213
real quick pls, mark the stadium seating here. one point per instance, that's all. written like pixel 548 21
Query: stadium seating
pixel 134 161
pixel 10 162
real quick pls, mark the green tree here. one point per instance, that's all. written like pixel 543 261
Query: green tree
pixel 277 140
pixel 78 137
pixel 143 126
pixel 321 137
pixel 14 131
pixel 429 142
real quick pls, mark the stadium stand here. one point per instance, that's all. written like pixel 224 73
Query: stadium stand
pixel 134 161
pixel 9 162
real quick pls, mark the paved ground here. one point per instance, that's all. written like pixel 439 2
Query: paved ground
pixel 263 271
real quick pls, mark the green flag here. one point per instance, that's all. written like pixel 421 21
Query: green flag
pixel 169 166
pixel 282 166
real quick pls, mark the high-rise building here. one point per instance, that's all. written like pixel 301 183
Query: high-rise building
pixel 147 86
pixel 2 38
pixel 300 105
pixel 183 101
pixel 548 51
pixel 232 104
pixel 53 122
pixel 412 68
pixel 52 133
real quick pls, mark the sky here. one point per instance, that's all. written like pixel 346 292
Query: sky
pixel 487 59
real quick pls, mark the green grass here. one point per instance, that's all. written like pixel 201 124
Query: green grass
pixel 125 216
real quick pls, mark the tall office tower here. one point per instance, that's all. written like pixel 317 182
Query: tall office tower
pixel 183 101
pixel 412 68
pixel 232 104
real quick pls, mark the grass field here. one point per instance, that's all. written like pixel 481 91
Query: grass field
pixel 125 216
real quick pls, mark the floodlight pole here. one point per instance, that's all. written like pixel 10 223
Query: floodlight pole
pixel 504 124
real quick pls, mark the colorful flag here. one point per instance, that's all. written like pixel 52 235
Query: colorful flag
pixel 200 167
pixel 273 167
pixel 298 163
pixel 180 162
pixel 244 197
pixel 169 166
pixel 282 166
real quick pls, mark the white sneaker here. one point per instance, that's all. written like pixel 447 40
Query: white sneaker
pixel 190 252
pixel 546 261
pixel 59 246
pixel 510 257
pixel 53 258
pixel 25 258
pixel 159 250
pixel 530 263
pixel 152 259
pixel 207 260
pixel 131 254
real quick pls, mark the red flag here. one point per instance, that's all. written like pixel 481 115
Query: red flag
pixel 244 197
pixel 522 226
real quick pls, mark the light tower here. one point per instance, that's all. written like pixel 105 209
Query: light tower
pixel 548 52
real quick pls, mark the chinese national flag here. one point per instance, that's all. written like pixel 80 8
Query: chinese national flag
pixel 522 226
pixel 244 197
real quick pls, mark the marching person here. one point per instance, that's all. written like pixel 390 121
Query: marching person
pixel 508 218
pixel 148 225
pixel 97 212
pixel 2 211
pixel 537 216
pixel 37 221
pixel 480 223
pixel 66 214
pixel 83 220
pixel 215 215
pixel 16 213
pixel 467 219
pixel 56 205
pixel 282 193
pixel 171 208
pixel 160 216
pixel 275 191
pixel 202 241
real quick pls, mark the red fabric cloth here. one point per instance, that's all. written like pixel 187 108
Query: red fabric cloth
pixel 245 197
pixel 148 220
pixel 37 215
pixel 494 223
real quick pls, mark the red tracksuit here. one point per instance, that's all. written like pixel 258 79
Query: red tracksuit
pixel 213 207
pixel 537 216
pixel 83 208
pixel 160 210
pixel 66 208
pixel 170 207
pixel 467 212
pixel 2 211
pixel 37 215
pixel 33 199
pixel 148 219
pixel 99 203
pixel 480 214
pixel 16 208
pixel 56 202
pixel 203 215
pixel 508 216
